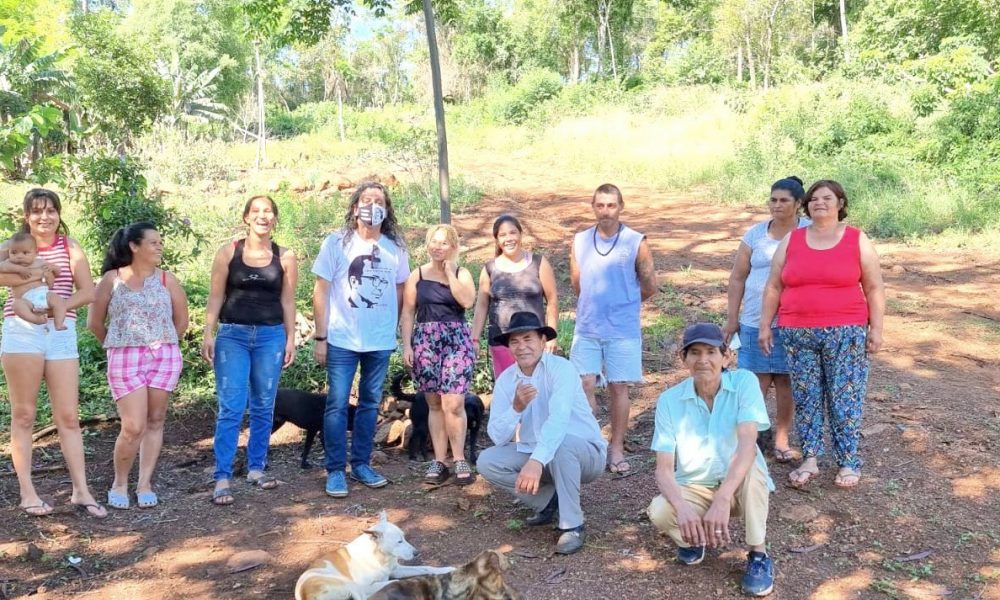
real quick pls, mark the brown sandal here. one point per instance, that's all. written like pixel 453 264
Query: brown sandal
pixel 463 473
pixel 437 473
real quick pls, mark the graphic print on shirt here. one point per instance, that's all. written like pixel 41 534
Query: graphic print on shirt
pixel 368 279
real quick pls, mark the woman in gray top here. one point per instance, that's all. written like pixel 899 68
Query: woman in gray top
pixel 746 288
pixel 515 280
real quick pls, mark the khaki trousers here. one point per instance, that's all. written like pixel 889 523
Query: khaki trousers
pixel 750 502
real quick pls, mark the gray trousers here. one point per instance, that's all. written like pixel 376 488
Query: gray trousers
pixel 576 462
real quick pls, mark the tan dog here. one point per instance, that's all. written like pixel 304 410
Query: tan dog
pixel 361 567
pixel 481 579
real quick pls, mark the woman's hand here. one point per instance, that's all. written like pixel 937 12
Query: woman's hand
pixel 208 348
pixel 319 353
pixel 551 346
pixel 289 353
pixel 408 357
pixel 874 341
pixel 765 339
pixel 729 329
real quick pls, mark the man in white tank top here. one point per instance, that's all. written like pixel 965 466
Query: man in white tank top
pixel 612 271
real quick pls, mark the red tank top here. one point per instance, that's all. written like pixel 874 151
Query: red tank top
pixel 822 288
pixel 58 255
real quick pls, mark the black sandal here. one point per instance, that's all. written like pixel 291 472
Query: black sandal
pixel 464 474
pixel 437 473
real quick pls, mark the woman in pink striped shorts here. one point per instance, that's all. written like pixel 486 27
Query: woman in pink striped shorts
pixel 139 314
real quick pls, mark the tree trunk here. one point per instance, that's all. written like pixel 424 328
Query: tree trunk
pixel 340 112
pixel 261 146
pixel 750 64
pixel 843 29
pixel 84 5
pixel 438 113
pixel 574 64
pixel 739 62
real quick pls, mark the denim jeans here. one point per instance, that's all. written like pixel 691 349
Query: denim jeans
pixel 248 361
pixel 341 364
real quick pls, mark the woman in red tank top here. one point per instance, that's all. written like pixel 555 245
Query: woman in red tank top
pixel 826 288
pixel 33 353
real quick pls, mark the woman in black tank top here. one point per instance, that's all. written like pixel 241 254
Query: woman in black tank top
pixel 252 297
pixel 437 348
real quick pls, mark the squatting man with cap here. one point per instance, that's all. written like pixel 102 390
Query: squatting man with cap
pixel 548 442
pixel 708 466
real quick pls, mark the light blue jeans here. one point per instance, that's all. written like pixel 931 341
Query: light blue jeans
pixel 248 361
pixel 341 365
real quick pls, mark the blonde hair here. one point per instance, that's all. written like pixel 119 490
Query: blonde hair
pixel 450 234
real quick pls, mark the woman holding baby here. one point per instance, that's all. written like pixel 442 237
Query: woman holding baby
pixel 32 352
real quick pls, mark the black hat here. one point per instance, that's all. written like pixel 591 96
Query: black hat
pixel 523 321
pixel 703 333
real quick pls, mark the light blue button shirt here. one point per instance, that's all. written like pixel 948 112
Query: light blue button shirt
pixel 704 442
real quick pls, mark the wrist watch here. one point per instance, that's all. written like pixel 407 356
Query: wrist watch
pixel 319 338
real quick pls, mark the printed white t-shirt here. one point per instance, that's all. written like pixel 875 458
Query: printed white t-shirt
pixel 362 305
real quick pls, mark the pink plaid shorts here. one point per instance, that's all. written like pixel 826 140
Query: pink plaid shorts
pixel 133 367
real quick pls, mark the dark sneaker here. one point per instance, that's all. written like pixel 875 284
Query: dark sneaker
pixel 368 476
pixel 544 516
pixel 759 578
pixel 691 555
pixel 571 540
pixel 336 484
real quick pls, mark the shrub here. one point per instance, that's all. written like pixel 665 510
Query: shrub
pixel 534 88
pixel 112 192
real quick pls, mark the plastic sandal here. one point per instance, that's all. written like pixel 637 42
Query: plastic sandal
pixel 463 473
pixel 146 499
pixel 116 500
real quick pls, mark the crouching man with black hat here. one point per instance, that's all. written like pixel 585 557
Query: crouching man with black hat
pixel 547 440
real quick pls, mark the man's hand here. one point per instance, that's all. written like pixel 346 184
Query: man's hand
pixel 529 477
pixel 319 353
pixel 692 529
pixel 716 522
pixel 523 396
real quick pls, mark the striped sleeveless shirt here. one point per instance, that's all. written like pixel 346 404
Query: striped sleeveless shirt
pixel 56 255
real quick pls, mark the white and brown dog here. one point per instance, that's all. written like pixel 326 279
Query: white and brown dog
pixel 363 566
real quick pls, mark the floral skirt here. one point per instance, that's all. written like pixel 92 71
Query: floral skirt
pixel 443 357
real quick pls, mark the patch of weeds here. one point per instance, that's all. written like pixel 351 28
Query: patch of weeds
pixel 892 487
pixel 898 511
pixel 515 525
pixel 965 538
pixel 914 571
pixel 480 513
pixel 885 586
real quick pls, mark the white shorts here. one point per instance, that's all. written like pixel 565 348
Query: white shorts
pixel 22 337
pixel 37 296
pixel 618 359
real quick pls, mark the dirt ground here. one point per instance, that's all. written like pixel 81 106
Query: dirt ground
pixel 924 522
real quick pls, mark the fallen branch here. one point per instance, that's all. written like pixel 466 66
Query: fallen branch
pixel 88 421
pixel 46 469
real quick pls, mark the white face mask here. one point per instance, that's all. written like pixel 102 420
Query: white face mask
pixel 371 214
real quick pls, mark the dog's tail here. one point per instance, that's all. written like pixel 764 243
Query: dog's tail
pixel 396 385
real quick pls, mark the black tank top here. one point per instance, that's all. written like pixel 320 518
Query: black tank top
pixel 435 302
pixel 253 294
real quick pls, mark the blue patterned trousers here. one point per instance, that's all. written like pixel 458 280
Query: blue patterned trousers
pixel 829 369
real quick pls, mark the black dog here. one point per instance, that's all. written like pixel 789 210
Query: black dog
pixel 419 411
pixel 305 410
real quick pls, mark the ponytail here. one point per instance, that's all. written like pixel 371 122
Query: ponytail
pixel 119 252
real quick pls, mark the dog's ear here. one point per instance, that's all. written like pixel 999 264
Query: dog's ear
pixel 490 561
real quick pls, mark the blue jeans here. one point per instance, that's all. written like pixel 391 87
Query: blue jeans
pixel 248 361
pixel 341 364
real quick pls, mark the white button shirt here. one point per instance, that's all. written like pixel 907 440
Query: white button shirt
pixel 560 407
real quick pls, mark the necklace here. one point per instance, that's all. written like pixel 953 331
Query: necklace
pixel 613 244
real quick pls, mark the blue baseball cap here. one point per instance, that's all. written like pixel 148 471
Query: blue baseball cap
pixel 703 333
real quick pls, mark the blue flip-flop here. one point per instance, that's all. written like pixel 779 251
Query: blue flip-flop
pixel 146 499
pixel 116 500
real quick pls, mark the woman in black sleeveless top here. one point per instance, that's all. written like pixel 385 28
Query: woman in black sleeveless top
pixel 252 297
pixel 438 347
